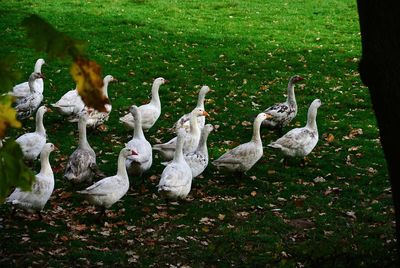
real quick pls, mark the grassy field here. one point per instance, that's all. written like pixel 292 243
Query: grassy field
pixel 246 51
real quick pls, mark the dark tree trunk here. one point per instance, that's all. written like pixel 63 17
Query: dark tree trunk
pixel 380 72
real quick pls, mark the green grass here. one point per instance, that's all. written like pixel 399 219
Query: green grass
pixel 246 51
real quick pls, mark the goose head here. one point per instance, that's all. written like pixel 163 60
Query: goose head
pixel 43 109
pixel 49 147
pixel 40 62
pixel 208 128
pixel 316 103
pixel 134 110
pixel 126 152
pixel 199 112
pixel 160 81
pixel 204 90
pixel 262 116
pixel 36 75
pixel 296 78
pixel 109 78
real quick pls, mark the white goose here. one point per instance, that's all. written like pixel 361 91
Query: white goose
pixel 81 166
pixel 108 191
pixel 70 104
pixel 97 118
pixel 33 142
pixel 150 112
pixel 198 160
pixel 140 163
pixel 299 142
pixel 176 178
pixel 283 113
pixel 22 90
pixel 191 139
pixel 243 157
pixel 28 105
pixel 42 188
pixel 183 122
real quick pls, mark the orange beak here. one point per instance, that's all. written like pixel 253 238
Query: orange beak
pixel 205 113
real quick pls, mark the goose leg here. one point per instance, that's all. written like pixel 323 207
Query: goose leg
pixel 285 162
pixel 101 214
pixel 13 211
pixel 39 214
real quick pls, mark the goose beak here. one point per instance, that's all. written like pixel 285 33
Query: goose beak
pixel 133 152
pixel 211 90
pixel 299 79
pixel 49 110
pixel 205 113
pixel 166 81
pixel 114 80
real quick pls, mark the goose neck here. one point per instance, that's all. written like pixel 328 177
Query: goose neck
pixel 312 118
pixel 138 131
pixel 291 98
pixel 38 66
pixel 121 167
pixel 200 100
pixel 155 97
pixel 256 131
pixel 39 123
pixel 83 143
pixel 105 88
pixel 178 154
pixel 45 168
pixel 194 126
pixel 203 142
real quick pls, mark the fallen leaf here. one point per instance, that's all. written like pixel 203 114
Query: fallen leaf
pixel 8 115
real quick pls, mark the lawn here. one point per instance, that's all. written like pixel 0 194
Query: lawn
pixel 336 211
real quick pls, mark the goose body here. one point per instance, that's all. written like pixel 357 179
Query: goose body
pixel 243 157
pixel 109 190
pixel 299 142
pixel 70 104
pixel 97 118
pixel 42 188
pixel 283 113
pixel 184 121
pixel 22 90
pixel 150 112
pixel 140 163
pixel 81 164
pixel 32 143
pixel 176 178
pixel 28 105
pixel 191 138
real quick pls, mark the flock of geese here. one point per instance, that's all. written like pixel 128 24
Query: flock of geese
pixel 186 155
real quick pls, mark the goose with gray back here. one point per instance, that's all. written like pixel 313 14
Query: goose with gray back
pixel 191 138
pixel 299 142
pixel 81 166
pixel 243 157
pixel 108 191
pixel 283 113
pixel 22 90
pixel 28 105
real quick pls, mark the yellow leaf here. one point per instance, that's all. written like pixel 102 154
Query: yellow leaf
pixel 8 115
pixel 87 75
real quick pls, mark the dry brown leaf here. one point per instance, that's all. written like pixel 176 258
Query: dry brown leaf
pixel 89 83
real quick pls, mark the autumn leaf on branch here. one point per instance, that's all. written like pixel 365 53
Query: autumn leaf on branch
pixel 46 38
pixel 13 172
pixel 8 115
pixel 87 75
